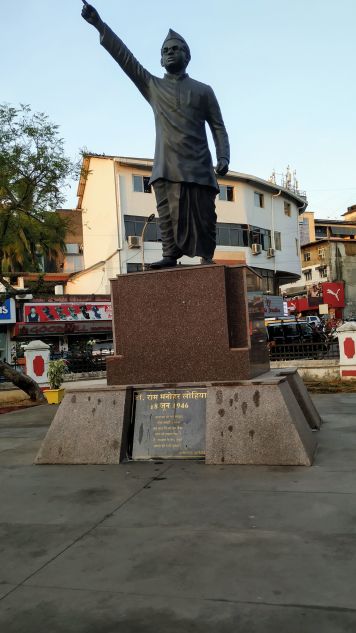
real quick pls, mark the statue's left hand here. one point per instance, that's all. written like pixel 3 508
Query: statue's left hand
pixel 222 167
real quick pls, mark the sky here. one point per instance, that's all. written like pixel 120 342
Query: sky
pixel 283 73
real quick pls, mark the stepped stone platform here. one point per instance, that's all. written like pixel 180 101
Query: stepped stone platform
pixel 190 378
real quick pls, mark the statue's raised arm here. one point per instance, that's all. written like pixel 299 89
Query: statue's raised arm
pixel 118 50
pixel 90 14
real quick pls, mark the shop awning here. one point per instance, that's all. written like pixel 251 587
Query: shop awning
pixel 294 292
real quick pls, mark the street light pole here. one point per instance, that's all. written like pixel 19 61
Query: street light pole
pixel 149 219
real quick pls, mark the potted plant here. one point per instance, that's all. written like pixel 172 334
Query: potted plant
pixel 56 371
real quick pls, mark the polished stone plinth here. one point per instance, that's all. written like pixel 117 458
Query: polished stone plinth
pixel 187 325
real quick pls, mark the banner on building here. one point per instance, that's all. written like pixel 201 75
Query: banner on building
pixel 315 295
pixel 7 311
pixel 64 312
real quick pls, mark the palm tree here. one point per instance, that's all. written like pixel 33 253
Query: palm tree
pixel 25 241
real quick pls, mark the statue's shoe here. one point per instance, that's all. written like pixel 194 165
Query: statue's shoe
pixel 206 261
pixel 165 262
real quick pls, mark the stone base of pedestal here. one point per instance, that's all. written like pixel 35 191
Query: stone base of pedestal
pixel 257 421
pixel 301 394
pixel 89 428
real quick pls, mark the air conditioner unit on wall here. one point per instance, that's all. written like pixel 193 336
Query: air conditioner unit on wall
pixel 133 241
pixel 256 249
pixel 270 252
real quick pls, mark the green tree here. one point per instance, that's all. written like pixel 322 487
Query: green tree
pixel 34 172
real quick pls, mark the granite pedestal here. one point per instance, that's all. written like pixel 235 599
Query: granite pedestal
pixel 181 335
pixel 200 323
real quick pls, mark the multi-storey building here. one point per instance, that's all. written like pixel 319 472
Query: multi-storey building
pixel 312 229
pixel 257 224
pixel 328 256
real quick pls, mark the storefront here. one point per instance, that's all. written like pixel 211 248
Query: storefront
pixel 7 318
pixel 66 325
pixel 330 294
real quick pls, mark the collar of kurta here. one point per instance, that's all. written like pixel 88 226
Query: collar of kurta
pixel 172 77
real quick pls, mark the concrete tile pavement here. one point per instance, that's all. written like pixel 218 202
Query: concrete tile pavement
pixel 178 546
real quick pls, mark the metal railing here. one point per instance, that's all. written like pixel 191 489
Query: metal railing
pixel 305 350
pixel 84 363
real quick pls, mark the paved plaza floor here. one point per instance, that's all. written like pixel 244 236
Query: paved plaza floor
pixel 178 546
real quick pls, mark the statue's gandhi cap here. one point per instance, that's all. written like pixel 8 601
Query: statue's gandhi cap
pixel 173 35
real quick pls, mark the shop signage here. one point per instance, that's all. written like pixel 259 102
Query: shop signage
pixel 52 329
pixel 64 312
pixel 7 311
pixel 273 307
pixel 333 294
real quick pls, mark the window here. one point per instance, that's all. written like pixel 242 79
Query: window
pixel 266 239
pixel 260 236
pixel 306 256
pixel 134 268
pixel 323 271
pixel 226 193
pixel 259 200
pixel 141 184
pixel 72 249
pixel 134 225
pixel 287 208
pixel 73 264
pixel 321 253
pixel 231 234
pixel 308 275
pixel 320 232
pixel 277 241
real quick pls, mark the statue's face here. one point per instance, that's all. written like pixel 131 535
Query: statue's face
pixel 174 56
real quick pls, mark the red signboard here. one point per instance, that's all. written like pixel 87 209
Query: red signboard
pixel 297 305
pixel 64 312
pixel 333 294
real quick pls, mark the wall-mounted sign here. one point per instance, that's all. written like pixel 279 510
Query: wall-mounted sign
pixel 273 307
pixel 7 311
pixel 47 312
pixel 323 308
pixel 333 294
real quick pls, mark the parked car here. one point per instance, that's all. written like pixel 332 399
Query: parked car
pixel 311 318
pixel 287 332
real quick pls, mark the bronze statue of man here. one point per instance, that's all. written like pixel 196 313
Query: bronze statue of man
pixel 183 176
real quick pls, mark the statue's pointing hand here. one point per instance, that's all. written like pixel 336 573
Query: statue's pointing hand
pixel 222 167
pixel 91 15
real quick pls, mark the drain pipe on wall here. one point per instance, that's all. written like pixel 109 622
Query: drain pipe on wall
pixel 273 244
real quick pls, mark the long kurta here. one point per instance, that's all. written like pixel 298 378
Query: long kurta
pixel 181 107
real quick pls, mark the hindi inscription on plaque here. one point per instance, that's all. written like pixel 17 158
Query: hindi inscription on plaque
pixel 169 423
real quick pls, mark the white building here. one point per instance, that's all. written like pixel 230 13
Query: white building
pixel 257 224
